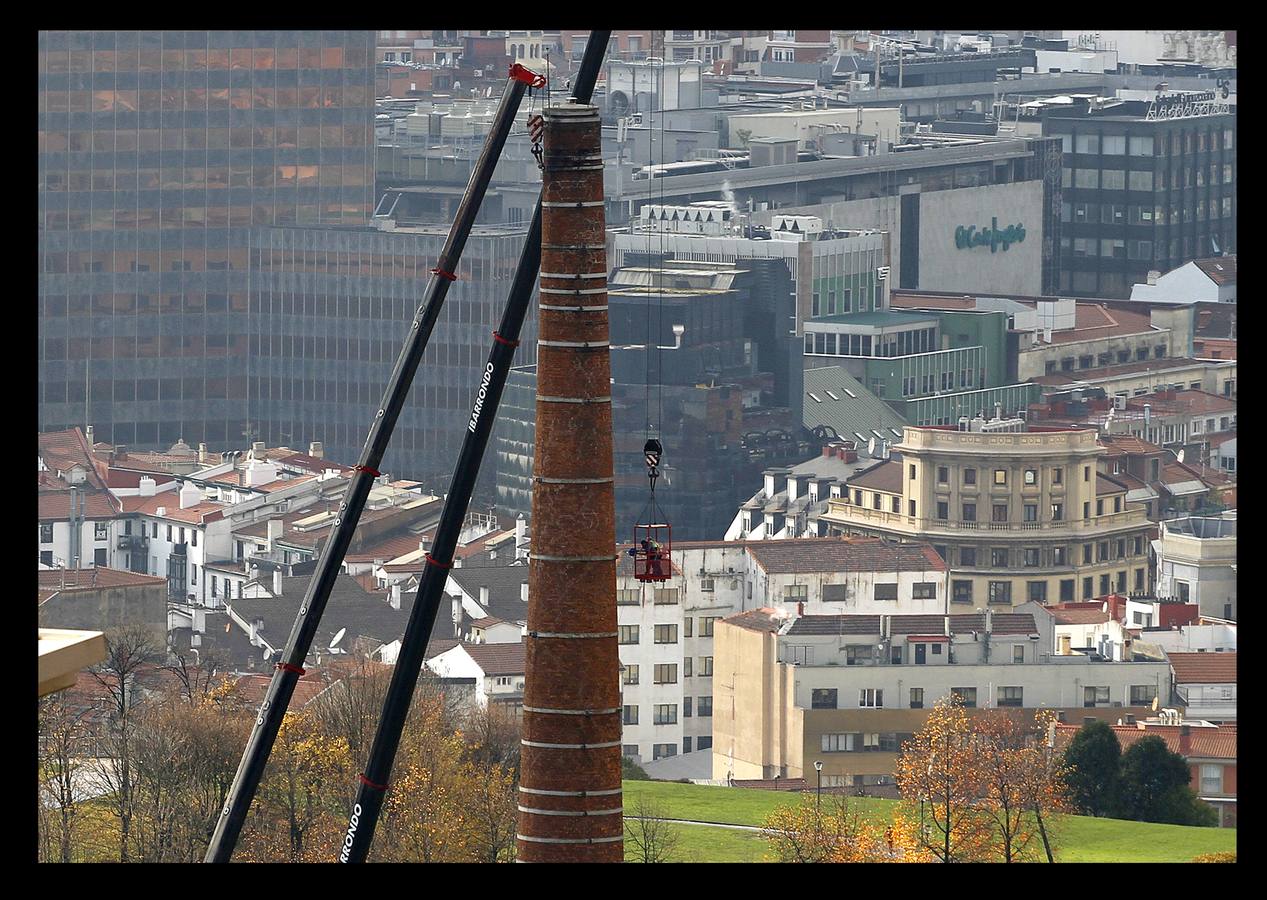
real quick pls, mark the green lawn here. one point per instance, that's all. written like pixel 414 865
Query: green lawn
pixel 1079 838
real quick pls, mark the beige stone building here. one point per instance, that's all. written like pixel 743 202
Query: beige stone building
pixel 848 690
pixel 1019 515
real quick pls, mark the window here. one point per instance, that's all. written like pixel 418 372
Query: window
pixel 970 512
pixel 686 707
pixel 886 592
pixel 910 508
pixel 46 533
pixel 1037 591
pixel 661 751
pixel 686 667
pixel 666 673
pixel 706 625
pixel 1095 696
pixel 1000 512
pixel 1086 554
pixel 100 531
pixel 1086 510
pixel 1000 476
pixel 917 698
pixel 794 592
pixel 1031 512
pixel 1031 557
pixel 858 654
pixel 823 698
pixel 870 698
pixel 706 586
pixel 967 556
pixel 1018 653
pixel 969 476
pixel 666 634
pixel 1143 694
pixel 169 534
pixel 961 591
pixel 1000 592
pixel 896 504
pixel 1211 779
pixel 1104 585
pixel 924 590
pixel 631 715
pixel 998 557
pixel 1139 579
pixel 1057 512
pixel 1101 551
pixel 1087 592
pixel 666 714
pixel 628 634
pixel 628 597
pixel 837 743
pixel 967 695
pixel 943 475
pixel 704 706
pixel 706 667
pixel 1009 696
pixel 834 593
pixel 99 557
pixel 686 627
pixel 665 596
pixel 630 675
pixel 1058 556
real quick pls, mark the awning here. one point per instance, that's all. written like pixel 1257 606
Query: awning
pixel 927 638
pixel 1139 495
pixel 1184 488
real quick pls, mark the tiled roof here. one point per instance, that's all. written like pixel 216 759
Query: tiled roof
pixel 67 580
pixel 206 511
pixel 487 622
pixel 504 585
pixel 1220 269
pixel 1215 320
pixel 1203 742
pixel 1080 616
pixel 1002 624
pixel 763 619
pixel 1093 321
pixel 885 476
pixel 54 505
pixel 498 659
pixel 252 688
pixel 388 548
pixel 1107 484
pixel 1118 444
pixel 311 463
pixel 844 555
pixel 1203 668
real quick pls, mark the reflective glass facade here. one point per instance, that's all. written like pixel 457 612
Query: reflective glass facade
pixel 158 152
pixel 330 310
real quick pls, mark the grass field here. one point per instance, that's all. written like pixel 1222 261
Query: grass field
pixel 1080 838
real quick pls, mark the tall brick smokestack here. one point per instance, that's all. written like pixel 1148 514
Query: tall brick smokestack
pixel 569 786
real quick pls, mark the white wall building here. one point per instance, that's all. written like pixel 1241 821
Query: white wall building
pixel 1200 281
pixel 1196 562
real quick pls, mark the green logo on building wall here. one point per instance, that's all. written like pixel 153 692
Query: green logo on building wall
pixel 968 237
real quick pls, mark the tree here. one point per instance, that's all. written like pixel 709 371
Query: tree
pixel 492 770
pixel 832 829
pixel 940 772
pixel 128 650
pixel 1047 789
pixel 650 837
pixel 1093 759
pixel 1155 786
pixel 61 741
pixel 1007 765
pixel 631 771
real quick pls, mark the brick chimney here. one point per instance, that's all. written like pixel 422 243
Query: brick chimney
pixel 1185 740
pixel 570 784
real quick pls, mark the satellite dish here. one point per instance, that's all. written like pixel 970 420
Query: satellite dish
pixel 1179 455
pixel 337 637
pixel 871 447
pixel 1155 703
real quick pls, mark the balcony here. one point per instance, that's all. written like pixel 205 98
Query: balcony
pixel 847 514
pixel 133 542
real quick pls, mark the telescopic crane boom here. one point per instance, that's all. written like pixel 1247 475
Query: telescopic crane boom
pixel 373 783
pixel 269 719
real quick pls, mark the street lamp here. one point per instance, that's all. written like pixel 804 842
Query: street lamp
pixel 818 796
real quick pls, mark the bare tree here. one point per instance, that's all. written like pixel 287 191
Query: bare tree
pixel 128 649
pixel 197 681
pixel 650 837
pixel 61 741
pixel 492 738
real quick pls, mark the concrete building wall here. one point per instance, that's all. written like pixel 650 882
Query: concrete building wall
pixel 109 607
pixel 945 266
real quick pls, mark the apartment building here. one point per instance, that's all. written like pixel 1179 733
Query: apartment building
pixel 666 629
pixel 1196 563
pixel 1019 513
pixel 847 690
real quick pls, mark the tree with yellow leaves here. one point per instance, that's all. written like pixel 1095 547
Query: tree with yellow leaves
pixel 940 772
pixel 832 829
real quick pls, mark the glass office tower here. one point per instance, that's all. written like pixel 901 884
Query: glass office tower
pixel 158 152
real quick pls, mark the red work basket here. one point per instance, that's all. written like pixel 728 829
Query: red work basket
pixel 653 560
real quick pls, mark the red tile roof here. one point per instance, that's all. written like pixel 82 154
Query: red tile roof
pixel 844 555
pixel 1204 742
pixel 1079 616
pixel 1093 321
pixel 885 476
pixel 1107 484
pixel 67 580
pixel 1220 269
pixel 764 619
pixel 201 513
pixel 498 659
pixel 1203 668
pixel 1119 444
pixel 54 505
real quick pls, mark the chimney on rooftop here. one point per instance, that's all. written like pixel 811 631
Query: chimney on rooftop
pixel 484 597
pixel 274 532
pixel 989 621
pixel 189 495
pixel 523 591
pixel 256 624
pixel 149 487
pixel 277 582
pixel 1185 740
pixel 393 596
pixel 315 450
pixel 258 447
pixel 1153 275
pixel 203 455
pixel 88 435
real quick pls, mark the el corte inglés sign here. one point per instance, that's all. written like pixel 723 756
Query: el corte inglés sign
pixel 1185 105
pixel 969 236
